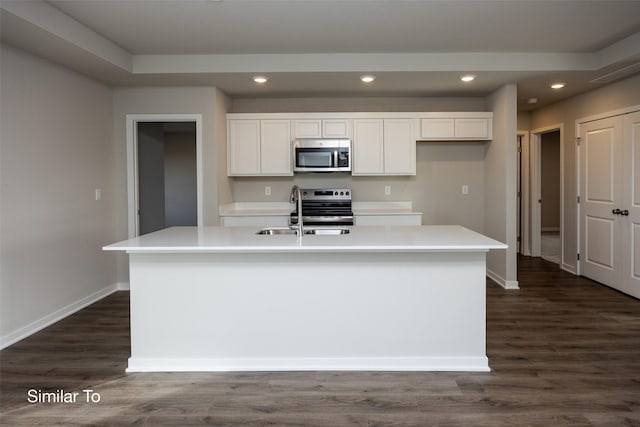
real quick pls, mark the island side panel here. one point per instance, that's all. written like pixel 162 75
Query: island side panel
pixel 308 311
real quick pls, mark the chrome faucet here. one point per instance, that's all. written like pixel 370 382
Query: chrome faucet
pixel 296 197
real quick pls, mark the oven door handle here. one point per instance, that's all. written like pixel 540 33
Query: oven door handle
pixel 335 158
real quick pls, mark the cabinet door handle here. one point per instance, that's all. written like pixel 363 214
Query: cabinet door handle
pixel 624 212
pixel 616 211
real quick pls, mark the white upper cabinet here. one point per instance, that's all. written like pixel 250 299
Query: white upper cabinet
pixel 384 147
pixel 383 143
pixel 456 128
pixel 399 147
pixel 322 128
pixel 259 147
pixel 243 147
pixel 275 147
pixel 368 147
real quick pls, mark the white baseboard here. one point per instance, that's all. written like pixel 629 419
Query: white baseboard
pixel 569 268
pixel 123 286
pixel 57 315
pixel 507 284
pixel 461 364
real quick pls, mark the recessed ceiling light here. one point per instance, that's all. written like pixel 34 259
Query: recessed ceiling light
pixel 558 85
pixel 367 78
pixel 260 79
pixel 468 78
pixel 532 100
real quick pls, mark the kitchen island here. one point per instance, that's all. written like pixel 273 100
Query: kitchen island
pixel 379 298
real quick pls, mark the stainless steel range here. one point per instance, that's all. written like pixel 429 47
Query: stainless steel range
pixel 330 206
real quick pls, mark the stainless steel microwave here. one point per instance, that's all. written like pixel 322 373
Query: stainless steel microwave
pixel 321 155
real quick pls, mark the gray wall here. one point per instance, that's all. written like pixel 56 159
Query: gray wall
pixel 622 94
pixel 500 182
pixel 550 181
pixel 57 148
pixel 180 179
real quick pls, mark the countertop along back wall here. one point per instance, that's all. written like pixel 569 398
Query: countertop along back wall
pixel 442 167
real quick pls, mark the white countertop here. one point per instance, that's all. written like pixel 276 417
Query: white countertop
pixel 428 238
pixel 384 208
pixel 256 209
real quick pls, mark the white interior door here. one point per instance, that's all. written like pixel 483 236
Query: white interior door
pixel 630 223
pixel 601 194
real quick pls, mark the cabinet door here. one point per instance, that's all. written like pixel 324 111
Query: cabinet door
pixel 437 128
pixel 307 128
pixel 275 147
pixel 243 147
pixel 472 128
pixel 336 128
pixel 328 128
pixel 368 147
pixel 399 147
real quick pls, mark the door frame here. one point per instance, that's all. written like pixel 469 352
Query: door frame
pixel 536 188
pixel 132 121
pixel 578 123
pixel 525 202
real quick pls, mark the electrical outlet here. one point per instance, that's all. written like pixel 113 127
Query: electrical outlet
pixel 465 189
pixel 387 190
pixel 267 190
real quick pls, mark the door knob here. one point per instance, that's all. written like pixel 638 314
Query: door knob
pixel 624 212
pixel 616 211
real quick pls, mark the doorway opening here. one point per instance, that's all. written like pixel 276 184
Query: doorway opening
pixel 164 173
pixel 547 194
pixel 167 183
pixel 550 195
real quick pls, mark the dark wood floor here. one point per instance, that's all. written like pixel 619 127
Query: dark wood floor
pixel 564 351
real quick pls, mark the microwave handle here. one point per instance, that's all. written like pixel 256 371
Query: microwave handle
pixel 335 158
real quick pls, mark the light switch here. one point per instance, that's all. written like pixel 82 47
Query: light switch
pixel 465 189
pixel 98 194
pixel 267 190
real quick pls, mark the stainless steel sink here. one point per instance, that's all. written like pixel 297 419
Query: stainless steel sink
pixel 327 231
pixel 275 231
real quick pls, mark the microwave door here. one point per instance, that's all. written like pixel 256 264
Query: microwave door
pixel 314 159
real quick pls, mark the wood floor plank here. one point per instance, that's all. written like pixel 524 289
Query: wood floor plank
pixel 564 351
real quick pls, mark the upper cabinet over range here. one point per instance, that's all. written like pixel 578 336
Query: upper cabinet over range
pixel 322 128
pixel 383 143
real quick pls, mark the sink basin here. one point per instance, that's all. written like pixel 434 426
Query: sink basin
pixel 327 231
pixel 274 231
pixel 277 231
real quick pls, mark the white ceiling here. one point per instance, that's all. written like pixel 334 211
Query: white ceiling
pixel 319 48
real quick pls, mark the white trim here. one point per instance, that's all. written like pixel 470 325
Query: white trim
pixel 525 198
pixel 569 268
pixel 467 364
pixel 361 115
pixel 56 316
pixel 123 286
pixel 132 191
pixel 506 284
pixel 613 113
